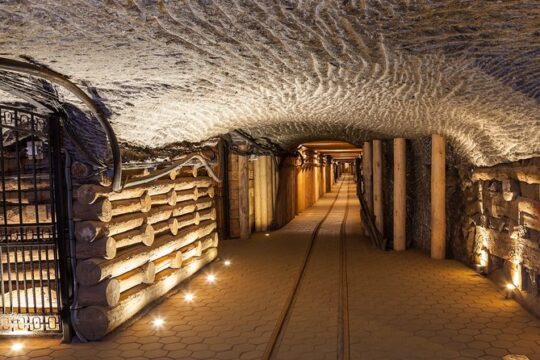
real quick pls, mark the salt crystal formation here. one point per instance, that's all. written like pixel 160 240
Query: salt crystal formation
pixel 298 70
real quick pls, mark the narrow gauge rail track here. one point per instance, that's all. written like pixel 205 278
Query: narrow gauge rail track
pixel 343 309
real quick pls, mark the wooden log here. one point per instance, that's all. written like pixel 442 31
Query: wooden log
pixel 378 186
pixel 104 247
pixel 25 183
pixel 159 214
pixel 146 274
pixel 92 271
pixel 171 261
pixel 187 195
pixel 10 273
pixel 170 225
pixel 207 214
pixel 167 198
pixel 400 194
pixel 528 174
pixel 192 250
pixel 87 231
pixel 94 322
pixel 243 197
pixel 106 293
pixel 209 241
pixel 367 173
pixel 18 256
pixel 127 206
pixel 258 188
pixel 209 191
pixel 100 210
pixel 143 235
pixel 438 197
pixel 188 219
pixel 190 183
pixel 25 298
pixel 89 193
pixel 26 196
pixel 29 214
pixel 204 203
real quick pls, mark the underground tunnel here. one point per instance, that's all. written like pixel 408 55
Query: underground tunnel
pixel 229 179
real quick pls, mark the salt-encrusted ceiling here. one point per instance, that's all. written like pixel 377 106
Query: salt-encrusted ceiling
pixel 298 70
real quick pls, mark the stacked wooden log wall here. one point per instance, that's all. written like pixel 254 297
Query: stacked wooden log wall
pixel 133 246
pixel 502 226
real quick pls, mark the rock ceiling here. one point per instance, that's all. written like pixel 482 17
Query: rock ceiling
pixel 295 71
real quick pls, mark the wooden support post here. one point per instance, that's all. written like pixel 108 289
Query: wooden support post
pixel 286 194
pixel 269 184
pixel 367 170
pixel 257 173
pixel 264 192
pixel 328 171
pixel 300 190
pixel 400 194
pixel 438 197
pixel 243 193
pixel 377 186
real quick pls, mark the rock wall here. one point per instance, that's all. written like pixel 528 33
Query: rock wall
pixel 502 226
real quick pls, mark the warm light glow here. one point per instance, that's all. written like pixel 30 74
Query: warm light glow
pixel 158 322
pixel 16 347
pixel 227 263
pixel 267 234
pixel 211 278
pixel 484 258
pixel 510 287
pixel 189 297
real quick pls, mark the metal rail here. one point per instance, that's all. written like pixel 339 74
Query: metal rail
pixel 343 312
pixel 59 79
pixel 278 332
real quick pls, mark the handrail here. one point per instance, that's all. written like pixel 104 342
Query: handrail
pixel 161 173
pixel 59 79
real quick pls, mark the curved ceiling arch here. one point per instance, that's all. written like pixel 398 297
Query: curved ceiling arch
pixel 356 70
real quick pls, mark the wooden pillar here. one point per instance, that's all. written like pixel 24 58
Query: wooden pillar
pixel 243 195
pixel 315 184
pixel 438 197
pixel 328 171
pixel 400 194
pixel 367 171
pixel 300 190
pixel 377 186
pixel 269 184
pixel 258 193
pixel 285 209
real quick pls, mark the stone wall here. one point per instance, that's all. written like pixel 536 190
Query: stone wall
pixel 502 226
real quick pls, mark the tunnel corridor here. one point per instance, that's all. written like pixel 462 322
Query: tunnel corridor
pixel 270 179
pixel 397 303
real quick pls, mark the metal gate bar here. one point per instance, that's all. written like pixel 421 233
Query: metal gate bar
pixel 30 226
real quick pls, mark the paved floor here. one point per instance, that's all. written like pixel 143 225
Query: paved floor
pixel 401 305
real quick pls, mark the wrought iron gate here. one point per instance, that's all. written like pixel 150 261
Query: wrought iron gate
pixel 33 240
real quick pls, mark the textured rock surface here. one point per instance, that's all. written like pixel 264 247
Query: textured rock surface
pixel 298 70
